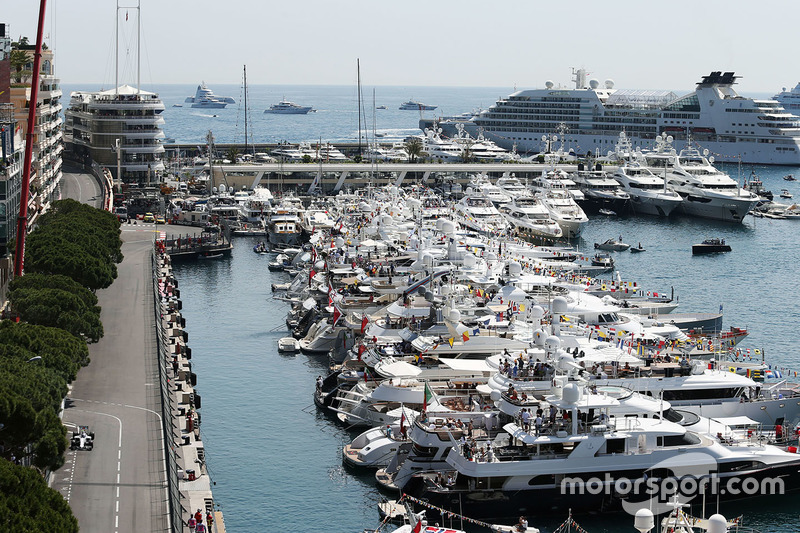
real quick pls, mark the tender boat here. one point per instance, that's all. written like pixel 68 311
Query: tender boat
pixel 711 246
pixel 612 245
pixel 637 249
pixel 288 345
pixel 285 107
pixel 603 260
pixel 785 193
pixel 789 177
pixel 411 105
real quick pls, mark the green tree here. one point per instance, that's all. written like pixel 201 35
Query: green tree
pixel 232 154
pixel 414 149
pixel 27 504
pixel 56 308
pixel 307 158
pixel 59 350
pixel 19 60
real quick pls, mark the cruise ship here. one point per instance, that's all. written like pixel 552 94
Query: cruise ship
pixel 714 116
pixel 790 99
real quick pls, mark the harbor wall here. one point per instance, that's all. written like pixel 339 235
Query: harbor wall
pixel 188 480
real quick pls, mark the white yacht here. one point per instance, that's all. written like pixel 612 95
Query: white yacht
pixel 600 191
pixel 485 187
pixel 284 228
pixel 790 99
pixel 705 191
pixel 477 213
pixel 285 107
pixel 649 193
pixel 511 186
pixel 531 220
pixel 205 98
pixel 411 105
pixel 441 149
pixel 714 115
pixel 288 152
pixel 557 178
pixel 565 211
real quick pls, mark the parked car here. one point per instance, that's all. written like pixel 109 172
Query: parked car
pixel 122 213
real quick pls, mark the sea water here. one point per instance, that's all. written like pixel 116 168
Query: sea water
pixel 276 461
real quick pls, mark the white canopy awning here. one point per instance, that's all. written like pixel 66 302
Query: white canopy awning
pixel 469 365
pixel 736 421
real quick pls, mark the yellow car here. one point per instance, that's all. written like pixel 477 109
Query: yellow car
pixel 148 217
pixel 160 220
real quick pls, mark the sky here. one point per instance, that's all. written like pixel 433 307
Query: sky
pixel 639 44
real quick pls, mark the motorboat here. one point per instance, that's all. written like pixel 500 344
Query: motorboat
pixel 511 186
pixel 789 177
pixel 530 219
pixel 205 98
pixel 490 191
pixel 612 245
pixel 603 260
pixel 479 214
pixel 261 248
pixel 411 105
pixel 377 446
pixel 649 193
pixel 711 246
pixel 285 107
pixel 440 149
pixel 785 194
pixel 288 345
pixel 756 186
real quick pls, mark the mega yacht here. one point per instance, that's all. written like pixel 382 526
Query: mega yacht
pixel 790 99
pixel 205 98
pixel 705 191
pixel 714 115
pixel 411 105
pixel 285 107
pixel 649 193
pixel 600 191
pixel 565 211
pixel 531 220
pixel 441 149
pixel 477 213
pixel 511 186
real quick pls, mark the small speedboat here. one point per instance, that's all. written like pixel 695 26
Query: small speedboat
pixel 209 255
pixel 280 263
pixel 261 248
pixel 607 212
pixel 288 345
pixel 789 177
pixel 637 249
pixel 711 246
pixel 785 193
pixel 612 245
pixel 603 260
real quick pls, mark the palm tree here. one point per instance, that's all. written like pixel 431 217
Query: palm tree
pixel 414 149
pixel 232 154
pixel 19 60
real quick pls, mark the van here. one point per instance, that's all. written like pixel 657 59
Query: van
pixel 122 213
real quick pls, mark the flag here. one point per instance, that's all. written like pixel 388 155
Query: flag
pixel 364 322
pixel 418 527
pixel 311 274
pixel 450 341
pixel 402 419
pixel 465 336
pixel 361 349
pixel 126 16
pixel 337 315
pixel 426 397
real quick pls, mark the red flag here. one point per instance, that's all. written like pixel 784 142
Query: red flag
pixel 364 322
pixel 337 315
pixel 126 16
pixel 361 349
pixel 311 274
pixel 418 527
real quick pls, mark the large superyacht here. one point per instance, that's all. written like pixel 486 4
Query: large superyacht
pixel 732 127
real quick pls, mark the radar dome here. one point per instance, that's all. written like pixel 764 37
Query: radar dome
pixel 455 315
pixel 559 305
pixel 491 256
pixel 594 84
pixel 670 138
pixel 565 361
pixel 470 260
pixel 538 337
pixel 643 521
pixel 448 227
pixel 552 343
pixel 514 269
pixel 711 159
pixel 571 393
pixel 549 84
pixel 494 395
pixel 427 259
pixel 537 312
pixel 339 242
pixel 717 524
pixel 609 83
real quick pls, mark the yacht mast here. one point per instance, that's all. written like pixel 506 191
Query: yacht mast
pixel 116 52
pixel 358 69
pixel 245 109
pixel 139 47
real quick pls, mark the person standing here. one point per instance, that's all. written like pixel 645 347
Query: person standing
pixel 192 523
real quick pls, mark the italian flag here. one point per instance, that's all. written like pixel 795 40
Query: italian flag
pixel 426 398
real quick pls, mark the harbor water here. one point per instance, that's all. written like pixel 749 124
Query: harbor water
pixel 276 461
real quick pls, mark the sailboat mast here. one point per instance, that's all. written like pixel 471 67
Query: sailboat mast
pixel 358 69
pixel 245 108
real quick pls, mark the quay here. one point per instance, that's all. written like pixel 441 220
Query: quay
pixel 189 484
pixel 205 245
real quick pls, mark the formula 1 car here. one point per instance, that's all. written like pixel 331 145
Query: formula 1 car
pixel 83 439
